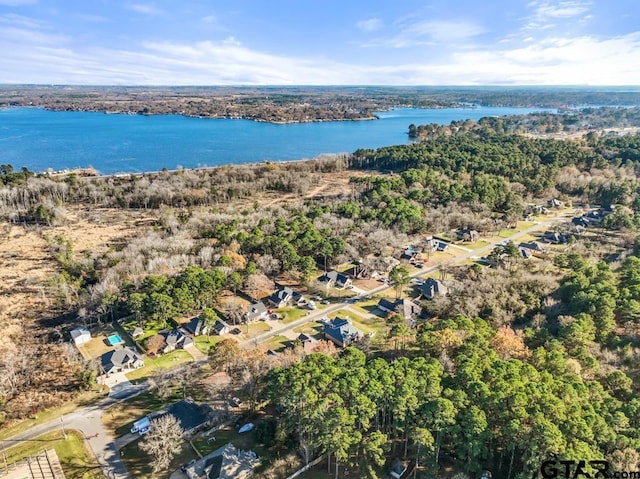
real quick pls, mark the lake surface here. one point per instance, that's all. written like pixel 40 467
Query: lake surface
pixel 40 139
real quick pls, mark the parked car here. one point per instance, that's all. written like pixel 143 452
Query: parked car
pixel 235 402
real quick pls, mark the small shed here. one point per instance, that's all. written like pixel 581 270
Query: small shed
pixel 80 336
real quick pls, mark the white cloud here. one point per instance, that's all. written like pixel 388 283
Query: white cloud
pixel 431 32
pixel 370 25
pixel 563 9
pixel 545 13
pixel 33 53
pixel 144 8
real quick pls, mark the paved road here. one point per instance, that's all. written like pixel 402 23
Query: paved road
pixel 469 253
pixel 87 419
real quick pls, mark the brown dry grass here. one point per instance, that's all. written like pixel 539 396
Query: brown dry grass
pixel 26 262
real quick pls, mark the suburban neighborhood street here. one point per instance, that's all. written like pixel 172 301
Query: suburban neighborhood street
pixel 87 420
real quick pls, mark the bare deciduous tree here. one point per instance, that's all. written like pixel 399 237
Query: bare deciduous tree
pixel 163 441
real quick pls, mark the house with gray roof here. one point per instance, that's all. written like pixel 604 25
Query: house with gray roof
pixel 341 332
pixel 256 312
pixel 432 288
pixel 282 297
pixel 333 278
pixel 120 360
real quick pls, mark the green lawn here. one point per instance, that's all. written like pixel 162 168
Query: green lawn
pixel 277 343
pixel 291 314
pixel 74 453
pixel 255 329
pixel 310 329
pixel 83 399
pixel 166 361
pixel 343 313
pixel 139 464
pixel 203 343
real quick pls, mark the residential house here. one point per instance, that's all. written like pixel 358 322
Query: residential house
pixel 432 288
pixel 256 312
pixel 595 217
pixel 228 462
pixel 191 416
pixel 197 326
pixel 282 297
pixel 221 327
pixel 441 245
pixel 534 247
pixel 466 234
pixel 554 203
pixel 409 310
pixel 80 336
pixel 554 237
pixel 308 343
pixel 341 332
pixel 120 360
pixel 409 253
pixel 581 221
pixel 176 339
pixel 298 298
pixel 338 280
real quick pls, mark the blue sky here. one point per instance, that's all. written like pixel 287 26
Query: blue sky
pixel 321 42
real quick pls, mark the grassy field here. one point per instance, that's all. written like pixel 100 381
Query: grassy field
pixel 291 314
pixel 166 362
pixel 74 453
pixel 83 399
pixel 255 329
pixel 203 343
pixel 277 343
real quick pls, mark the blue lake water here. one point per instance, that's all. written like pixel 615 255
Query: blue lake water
pixel 40 139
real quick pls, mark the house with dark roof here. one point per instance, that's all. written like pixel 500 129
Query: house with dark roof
pixel 441 246
pixel 553 237
pixel 432 288
pixel 256 312
pixel 221 327
pixel 197 326
pixel 333 278
pixel 341 332
pixel 282 297
pixel 191 416
pixel 120 360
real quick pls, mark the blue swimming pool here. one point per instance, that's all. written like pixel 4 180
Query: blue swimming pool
pixel 115 340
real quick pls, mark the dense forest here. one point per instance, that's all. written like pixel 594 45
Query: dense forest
pixel 519 363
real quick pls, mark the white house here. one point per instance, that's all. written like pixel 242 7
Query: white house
pixel 80 336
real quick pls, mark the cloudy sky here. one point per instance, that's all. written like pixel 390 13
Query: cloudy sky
pixel 320 42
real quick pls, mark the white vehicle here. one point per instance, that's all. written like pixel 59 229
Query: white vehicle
pixel 142 426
